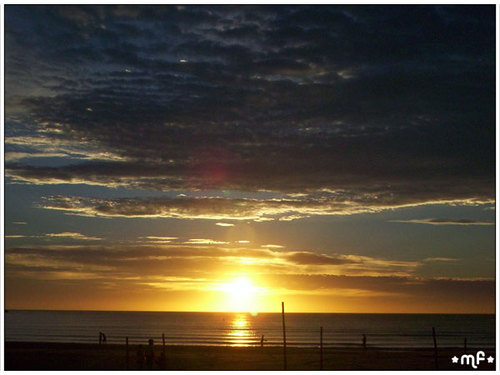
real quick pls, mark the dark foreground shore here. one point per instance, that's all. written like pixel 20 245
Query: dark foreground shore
pixel 54 356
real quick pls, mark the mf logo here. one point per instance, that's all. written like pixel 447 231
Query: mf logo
pixel 471 360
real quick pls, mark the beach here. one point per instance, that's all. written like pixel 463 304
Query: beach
pixel 71 356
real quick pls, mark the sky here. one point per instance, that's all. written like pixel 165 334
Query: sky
pixel 228 158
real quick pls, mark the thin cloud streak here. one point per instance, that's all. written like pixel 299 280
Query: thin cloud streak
pixel 443 222
pixel 440 259
pixel 211 208
pixel 62 235
pixel 73 235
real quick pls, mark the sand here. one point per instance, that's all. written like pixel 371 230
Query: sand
pixel 55 356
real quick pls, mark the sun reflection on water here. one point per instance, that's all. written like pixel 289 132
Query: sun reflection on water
pixel 240 333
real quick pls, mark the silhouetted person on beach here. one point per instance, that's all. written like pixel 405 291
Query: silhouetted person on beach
pixel 150 354
pixel 140 357
pixel 364 341
pixel 102 338
pixel 162 360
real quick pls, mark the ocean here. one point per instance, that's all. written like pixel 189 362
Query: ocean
pixel 242 329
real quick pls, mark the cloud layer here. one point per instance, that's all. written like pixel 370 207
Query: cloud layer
pixel 147 270
pixel 286 99
pixel 197 256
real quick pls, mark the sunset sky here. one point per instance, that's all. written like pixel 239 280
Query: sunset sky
pixel 222 158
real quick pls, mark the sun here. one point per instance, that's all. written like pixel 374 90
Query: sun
pixel 240 295
pixel 241 287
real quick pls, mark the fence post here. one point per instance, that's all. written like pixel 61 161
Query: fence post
pixel 127 353
pixel 435 348
pixel 321 348
pixel 284 333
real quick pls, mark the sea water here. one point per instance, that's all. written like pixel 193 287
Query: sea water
pixel 244 329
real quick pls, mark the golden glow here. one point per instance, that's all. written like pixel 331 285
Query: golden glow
pixel 240 287
pixel 240 295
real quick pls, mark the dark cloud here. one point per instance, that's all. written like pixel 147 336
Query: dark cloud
pixel 397 100
pixel 305 257
pixel 389 284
